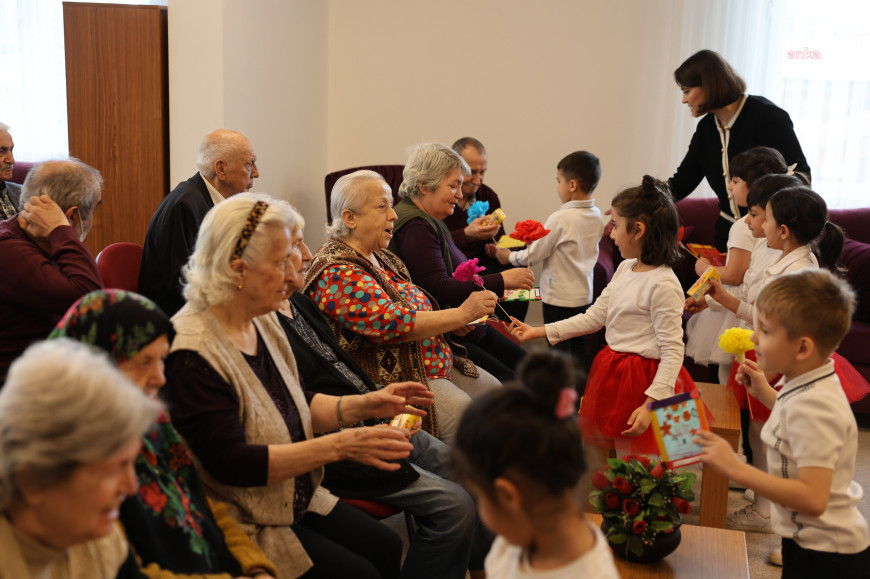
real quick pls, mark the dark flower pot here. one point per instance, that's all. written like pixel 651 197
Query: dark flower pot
pixel 663 545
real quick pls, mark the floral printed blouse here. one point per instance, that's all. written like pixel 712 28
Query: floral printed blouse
pixel 355 300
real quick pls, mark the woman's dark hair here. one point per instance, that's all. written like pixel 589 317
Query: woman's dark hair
pixel 805 214
pixel 719 82
pixel 515 430
pixel 763 188
pixel 651 204
pixel 756 162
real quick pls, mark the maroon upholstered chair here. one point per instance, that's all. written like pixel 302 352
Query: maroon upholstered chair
pixel 20 171
pixel 119 265
pixel 391 173
pixel 381 511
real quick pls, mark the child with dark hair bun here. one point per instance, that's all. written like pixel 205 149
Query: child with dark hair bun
pixel 642 309
pixel 521 454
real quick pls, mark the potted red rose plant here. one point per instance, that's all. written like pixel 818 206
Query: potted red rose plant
pixel 641 501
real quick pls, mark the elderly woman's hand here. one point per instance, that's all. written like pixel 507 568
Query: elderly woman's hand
pixel 373 445
pixel 478 304
pixel 478 229
pixel 518 278
pixel 394 399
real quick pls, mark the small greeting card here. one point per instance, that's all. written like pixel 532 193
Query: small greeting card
pixel 675 421
pixel 507 242
pixel 713 255
pixel 521 295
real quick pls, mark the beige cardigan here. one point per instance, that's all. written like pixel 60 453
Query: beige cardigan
pixel 98 559
pixel 264 513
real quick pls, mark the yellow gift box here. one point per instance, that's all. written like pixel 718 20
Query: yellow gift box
pixel 702 286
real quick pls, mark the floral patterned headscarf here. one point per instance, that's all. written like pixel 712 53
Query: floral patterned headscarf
pixel 118 322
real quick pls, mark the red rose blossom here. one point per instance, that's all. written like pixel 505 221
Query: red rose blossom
pixel 622 485
pixel 658 471
pixel 631 507
pixel 600 481
pixel 612 500
pixel 682 505
pixel 638 527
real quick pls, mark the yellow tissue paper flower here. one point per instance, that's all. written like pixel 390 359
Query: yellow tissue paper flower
pixel 736 341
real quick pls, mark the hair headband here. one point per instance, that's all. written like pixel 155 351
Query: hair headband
pixel 256 214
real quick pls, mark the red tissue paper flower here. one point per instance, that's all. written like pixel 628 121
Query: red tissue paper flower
pixel 529 230
pixel 468 271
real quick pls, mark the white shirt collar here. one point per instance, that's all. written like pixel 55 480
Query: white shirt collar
pixel 822 371
pixel 780 266
pixel 216 197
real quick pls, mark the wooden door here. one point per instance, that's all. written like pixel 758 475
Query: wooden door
pixel 117 100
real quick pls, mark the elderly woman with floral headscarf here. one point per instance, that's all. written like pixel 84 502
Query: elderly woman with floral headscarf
pixel 171 526
pixel 236 398
pixel 70 429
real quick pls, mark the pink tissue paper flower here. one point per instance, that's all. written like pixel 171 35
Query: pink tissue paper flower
pixel 468 271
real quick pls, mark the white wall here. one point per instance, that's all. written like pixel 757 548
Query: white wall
pixel 259 67
pixel 533 80
pixel 320 86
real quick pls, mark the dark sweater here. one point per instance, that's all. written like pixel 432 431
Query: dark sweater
pixel 759 123
pixel 38 288
pixel 345 478
pixel 457 222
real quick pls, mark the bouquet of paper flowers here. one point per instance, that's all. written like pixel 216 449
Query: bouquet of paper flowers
pixel 638 498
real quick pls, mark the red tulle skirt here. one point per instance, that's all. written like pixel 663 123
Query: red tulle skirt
pixel 615 388
pixel 854 386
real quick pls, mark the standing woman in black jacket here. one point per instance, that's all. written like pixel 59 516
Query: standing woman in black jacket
pixel 733 122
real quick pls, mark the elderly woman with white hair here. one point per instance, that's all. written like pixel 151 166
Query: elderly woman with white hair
pixel 236 398
pixel 70 428
pixel 431 188
pixel 390 326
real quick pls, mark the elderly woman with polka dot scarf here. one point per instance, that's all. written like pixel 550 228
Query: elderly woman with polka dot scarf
pixel 390 326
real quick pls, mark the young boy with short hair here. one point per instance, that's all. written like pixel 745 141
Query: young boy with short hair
pixel 569 252
pixel 811 437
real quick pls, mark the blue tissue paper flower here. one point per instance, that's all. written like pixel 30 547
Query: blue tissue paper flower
pixel 477 209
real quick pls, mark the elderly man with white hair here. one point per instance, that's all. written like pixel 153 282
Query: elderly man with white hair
pixel 9 192
pixel 227 165
pixel 45 265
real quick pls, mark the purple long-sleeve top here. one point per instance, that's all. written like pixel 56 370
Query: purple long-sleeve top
pixel 420 248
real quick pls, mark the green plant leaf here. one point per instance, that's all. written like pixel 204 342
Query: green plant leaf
pixel 647 485
pixel 635 545
pixel 661 525
pixel 656 500
pixel 617 538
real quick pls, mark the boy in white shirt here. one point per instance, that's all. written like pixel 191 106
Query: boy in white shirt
pixel 570 251
pixel 811 437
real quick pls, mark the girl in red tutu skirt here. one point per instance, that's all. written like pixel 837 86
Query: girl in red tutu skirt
pixel 795 222
pixel 641 309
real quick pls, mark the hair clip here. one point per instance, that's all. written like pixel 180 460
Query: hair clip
pixel 791 169
pixel 565 405
pixel 256 214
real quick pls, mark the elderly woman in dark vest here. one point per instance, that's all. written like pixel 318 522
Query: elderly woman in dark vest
pixel 236 398
pixel 431 188
pixel 390 326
